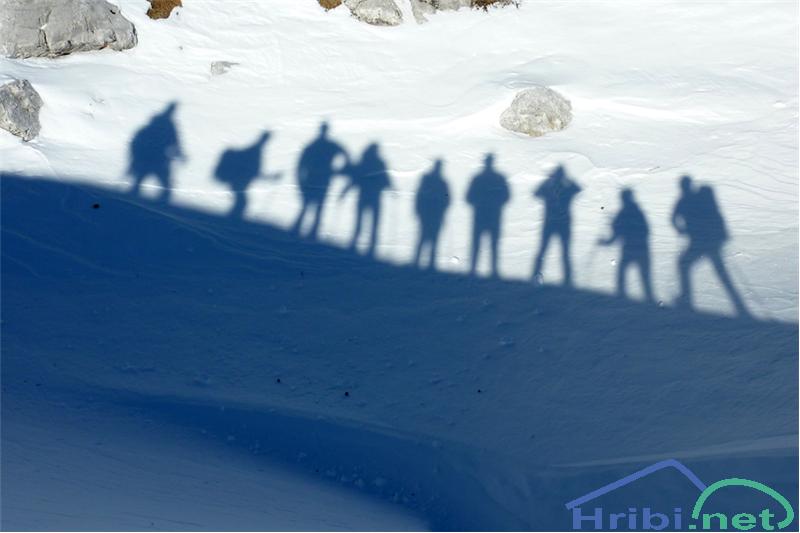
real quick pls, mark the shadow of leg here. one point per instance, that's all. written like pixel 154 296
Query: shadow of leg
pixel 622 269
pixel 476 244
pixel 647 282
pixel 565 241
pixel 685 262
pixel 317 213
pixel 543 244
pixel 299 222
pixel 725 278
pixel 373 238
pixel 494 235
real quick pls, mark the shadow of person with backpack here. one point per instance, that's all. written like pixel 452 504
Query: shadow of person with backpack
pixel 697 216
pixel 153 149
pixel 238 168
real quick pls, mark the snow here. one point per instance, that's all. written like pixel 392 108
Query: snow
pixel 471 402
pixel 104 459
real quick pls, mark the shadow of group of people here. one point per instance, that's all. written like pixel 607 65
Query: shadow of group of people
pixel 320 162
pixel 696 214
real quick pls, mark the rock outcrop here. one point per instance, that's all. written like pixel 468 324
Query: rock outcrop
pixel 376 12
pixel 420 8
pixel 162 9
pixel 52 28
pixel 19 109
pixel 537 111
pixel 485 4
pixel 445 5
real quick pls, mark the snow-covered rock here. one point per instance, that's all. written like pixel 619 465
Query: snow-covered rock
pixel 51 28
pixel 449 5
pixel 536 111
pixel 19 109
pixel 444 5
pixel 221 67
pixel 494 3
pixel 420 8
pixel 377 12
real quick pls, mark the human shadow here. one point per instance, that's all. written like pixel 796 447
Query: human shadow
pixel 152 151
pixel 697 216
pixel 370 178
pixel 238 168
pixel 272 306
pixel 314 173
pixel 487 194
pixel 557 193
pixel 630 228
pixel 431 203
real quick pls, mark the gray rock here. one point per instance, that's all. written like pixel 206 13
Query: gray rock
pixel 52 28
pixel 419 9
pixel 377 12
pixel 536 111
pixel 452 5
pixel 446 5
pixel 19 109
pixel 221 67
pixel 495 3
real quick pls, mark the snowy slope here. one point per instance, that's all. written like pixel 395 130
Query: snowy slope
pixel 91 467
pixel 470 402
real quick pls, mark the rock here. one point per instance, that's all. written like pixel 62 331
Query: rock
pixel 537 111
pixel 330 4
pixel 376 12
pixel 19 109
pixel 420 8
pixel 485 4
pixel 449 5
pixel 52 28
pixel 162 9
pixel 452 5
pixel 221 67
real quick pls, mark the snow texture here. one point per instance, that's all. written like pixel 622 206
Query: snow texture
pixel 51 28
pixel 19 109
pixel 536 111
